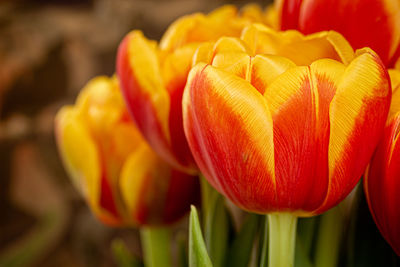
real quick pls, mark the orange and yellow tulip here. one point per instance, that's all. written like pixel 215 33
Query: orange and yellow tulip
pixel 382 181
pixel 122 179
pixel 364 23
pixel 273 136
pixel 153 76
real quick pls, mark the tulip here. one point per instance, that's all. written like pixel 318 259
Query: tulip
pixel 282 139
pixel 382 180
pixel 153 76
pixel 365 23
pixel 124 182
pixel 272 136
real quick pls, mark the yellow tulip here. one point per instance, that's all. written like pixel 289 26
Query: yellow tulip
pixel 122 179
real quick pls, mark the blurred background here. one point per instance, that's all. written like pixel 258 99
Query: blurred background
pixel 49 49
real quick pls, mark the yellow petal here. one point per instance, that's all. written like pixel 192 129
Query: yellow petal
pixel 230 44
pixel 79 154
pixel 266 68
pixel 357 115
pixel 204 53
pixel 177 33
pixel 176 66
pixel 101 103
pixel 237 63
pixel 395 82
pixel 302 50
pixel 252 12
pixel 140 166
pixel 271 17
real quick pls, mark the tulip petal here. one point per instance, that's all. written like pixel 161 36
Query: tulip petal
pixel 204 53
pixel 382 183
pixel 299 101
pixel 230 44
pixel 198 28
pixel 233 62
pixel 178 32
pixel 76 144
pixel 153 94
pixel 302 50
pixel 357 114
pixel 80 156
pixel 365 23
pixel 271 17
pixel 260 70
pixel 153 192
pixel 266 68
pixel 141 83
pixel 252 12
pixel 395 82
pixel 143 185
pixel 289 12
pixel 229 130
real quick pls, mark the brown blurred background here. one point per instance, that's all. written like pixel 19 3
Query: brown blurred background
pixel 48 50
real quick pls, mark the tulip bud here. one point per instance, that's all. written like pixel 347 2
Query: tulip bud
pixel 276 137
pixel 382 180
pixel 153 76
pixel 122 179
pixel 364 23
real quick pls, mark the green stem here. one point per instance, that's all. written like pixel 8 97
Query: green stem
pixel 156 246
pixel 282 239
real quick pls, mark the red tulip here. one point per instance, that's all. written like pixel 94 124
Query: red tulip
pixel 382 181
pixel 275 137
pixel 364 23
pixel 122 179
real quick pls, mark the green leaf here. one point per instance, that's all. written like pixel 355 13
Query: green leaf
pixel 198 256
pixel 216 230
pixel 122 256
pixel 240 252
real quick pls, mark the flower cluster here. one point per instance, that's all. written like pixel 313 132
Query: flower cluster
pixel 281 110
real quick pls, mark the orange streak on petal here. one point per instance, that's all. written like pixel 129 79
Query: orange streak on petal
pixel 228 126
pixel 357 115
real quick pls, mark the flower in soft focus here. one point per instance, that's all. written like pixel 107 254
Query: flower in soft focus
pixel 364 23
pixel 382 181
pixel 121 178
pixel 153 76
pixel 274 136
